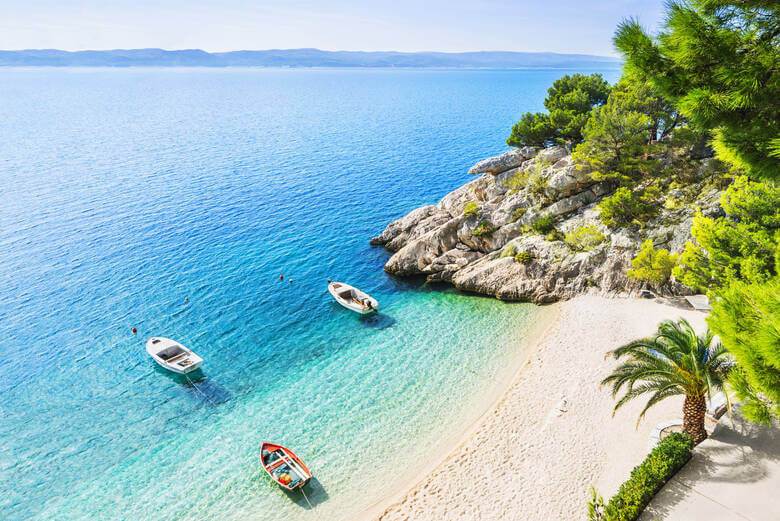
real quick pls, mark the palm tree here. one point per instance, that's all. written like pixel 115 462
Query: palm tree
pixel 675 361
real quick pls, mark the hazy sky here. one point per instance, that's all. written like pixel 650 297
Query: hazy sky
pixel 582 26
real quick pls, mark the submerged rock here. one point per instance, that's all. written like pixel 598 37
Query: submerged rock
pixel 479 237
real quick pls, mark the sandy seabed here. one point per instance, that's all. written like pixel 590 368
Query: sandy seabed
pixel 551 436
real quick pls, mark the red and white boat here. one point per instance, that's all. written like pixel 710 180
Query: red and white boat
pixel 284 466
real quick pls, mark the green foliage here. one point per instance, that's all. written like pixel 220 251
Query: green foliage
pixel 754 404
pixel 517 182
pixel 509 251
pixel 744 245
pixel 569 102
pixel 647 478
pixel 595 506
pixel 537 182
pixel 554 235
pixel 675 361
pixel 534 130
pixel 716 60
pixel 584 238
pixel 620 135
pixel 651 265
pixel 544 224
pixel 628 206
pixel 484 229
pixel 471 209
pixel 524 257
pixel 517 213
pixel 532 179
pixel 747 319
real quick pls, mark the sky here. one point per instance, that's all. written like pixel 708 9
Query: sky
pixel 569 26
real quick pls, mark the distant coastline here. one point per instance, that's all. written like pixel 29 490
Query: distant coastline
pixel 302 58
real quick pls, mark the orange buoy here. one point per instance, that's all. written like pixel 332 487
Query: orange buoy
pixel 135 331
pixel 186 299
pixel 281 277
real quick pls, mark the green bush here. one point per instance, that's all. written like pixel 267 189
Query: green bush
pixel 652 265
pixel 584 238
pixel 515 183
pixel 536 182
pixel 524 257
pixel 484 229
pixel 554 235
pixel 544 224
pixel 648 477
pixel 509 251
pixel 532 179
pixel 471 209
pixel 627 206
pixel 518 213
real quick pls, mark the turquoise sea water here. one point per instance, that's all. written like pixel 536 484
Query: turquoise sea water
pixel 170 200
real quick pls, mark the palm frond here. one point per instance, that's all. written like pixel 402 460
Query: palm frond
pixel 674 361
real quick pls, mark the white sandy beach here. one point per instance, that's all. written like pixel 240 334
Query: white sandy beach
pixel 534 455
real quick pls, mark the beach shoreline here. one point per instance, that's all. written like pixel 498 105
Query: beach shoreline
pixel 545 449
pixel 544 320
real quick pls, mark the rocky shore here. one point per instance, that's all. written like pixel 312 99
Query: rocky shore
pixel 485 236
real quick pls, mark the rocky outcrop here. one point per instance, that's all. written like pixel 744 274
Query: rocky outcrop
pixel 480 237
pixel 505 161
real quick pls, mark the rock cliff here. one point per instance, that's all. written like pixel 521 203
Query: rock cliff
pixel 485 236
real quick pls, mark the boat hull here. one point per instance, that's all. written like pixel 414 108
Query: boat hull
pixel 186 370
pixel 279 461
pixel 173 356
pixel 353 302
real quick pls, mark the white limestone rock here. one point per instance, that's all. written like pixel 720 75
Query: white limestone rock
pixel 507 160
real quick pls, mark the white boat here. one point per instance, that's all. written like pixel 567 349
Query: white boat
pixel 172 355
pixel 352 298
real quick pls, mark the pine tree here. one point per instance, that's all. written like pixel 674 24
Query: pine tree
pixel 718 61
pixel 747 319
pixel 744 245
pixel 569 102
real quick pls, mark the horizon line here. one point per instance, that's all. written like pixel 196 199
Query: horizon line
pixel 310 49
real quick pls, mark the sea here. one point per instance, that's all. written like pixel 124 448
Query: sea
pixel 211 206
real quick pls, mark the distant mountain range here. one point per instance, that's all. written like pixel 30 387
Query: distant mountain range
pixel 301 58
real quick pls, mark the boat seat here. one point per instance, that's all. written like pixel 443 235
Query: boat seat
pixel 175 358
pixel 275 459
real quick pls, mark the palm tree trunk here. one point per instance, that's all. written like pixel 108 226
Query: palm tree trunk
pixel 694 409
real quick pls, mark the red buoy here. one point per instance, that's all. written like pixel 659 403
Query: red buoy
pixel 281 277
pixel 135 331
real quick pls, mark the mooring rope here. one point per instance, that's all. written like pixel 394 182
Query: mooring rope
pixel 201 392
pixel 311 507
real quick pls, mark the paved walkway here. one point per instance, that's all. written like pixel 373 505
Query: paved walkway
pixel 733 476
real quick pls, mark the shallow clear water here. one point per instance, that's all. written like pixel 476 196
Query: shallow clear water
pixel 170 200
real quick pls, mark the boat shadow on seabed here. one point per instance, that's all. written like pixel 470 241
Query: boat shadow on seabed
pixel 199 386
pixel 377 320
pixel 313 491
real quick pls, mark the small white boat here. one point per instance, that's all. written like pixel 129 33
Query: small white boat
pixel 352 298
pixel 172 355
